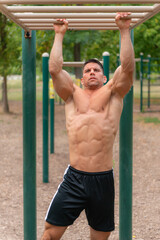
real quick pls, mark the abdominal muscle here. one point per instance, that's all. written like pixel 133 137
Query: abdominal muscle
pixel 91 136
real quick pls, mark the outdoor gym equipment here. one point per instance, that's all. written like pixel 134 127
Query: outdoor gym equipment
pixel 48 93
pixel 147 66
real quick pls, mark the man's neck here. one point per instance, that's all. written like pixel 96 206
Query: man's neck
pixel 90 91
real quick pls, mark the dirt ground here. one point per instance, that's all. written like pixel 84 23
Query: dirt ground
pixel 146 177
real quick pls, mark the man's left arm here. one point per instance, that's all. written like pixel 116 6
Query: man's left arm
pixel 123 76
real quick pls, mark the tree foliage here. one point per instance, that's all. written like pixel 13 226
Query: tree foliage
pixel 10 47
pixel 10 54
pixel 147 37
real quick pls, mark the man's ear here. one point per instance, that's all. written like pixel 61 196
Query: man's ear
pixel 104 79
pixel 82 81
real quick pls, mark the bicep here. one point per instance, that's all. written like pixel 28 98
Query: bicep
pixel 122 81
pixel 63 84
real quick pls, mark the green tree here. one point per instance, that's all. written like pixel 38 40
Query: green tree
pixel 147 37
pixel 100 42
pixel 10 57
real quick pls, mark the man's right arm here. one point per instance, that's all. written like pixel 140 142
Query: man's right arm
pixel 62 81
pixel 123 76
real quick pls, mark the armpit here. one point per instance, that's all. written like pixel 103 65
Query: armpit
pixel 112 85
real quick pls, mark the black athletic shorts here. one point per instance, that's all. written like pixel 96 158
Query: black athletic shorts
pixel 80 190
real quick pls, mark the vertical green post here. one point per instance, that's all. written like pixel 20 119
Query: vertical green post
pixel 45 74
pixel 51 96
pixel 29 134
pixel 125 167
pixel 106 56
pixel 141 82
pixel 149 78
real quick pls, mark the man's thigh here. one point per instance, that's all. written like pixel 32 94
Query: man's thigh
pixel 100 209
pixel 99 235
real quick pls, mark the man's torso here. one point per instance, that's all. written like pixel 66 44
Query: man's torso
pixel 92 122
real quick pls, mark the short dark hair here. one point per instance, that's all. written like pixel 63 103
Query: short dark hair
pixel 94 60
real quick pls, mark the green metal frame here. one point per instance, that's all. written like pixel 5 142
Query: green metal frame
pixel 29 128
pixel 149 80
pixel 125 166
pixel 45 59
pixel 29 135
pixel 141 82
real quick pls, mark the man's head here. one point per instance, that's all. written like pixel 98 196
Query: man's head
pixel 94 60
pixel 93 74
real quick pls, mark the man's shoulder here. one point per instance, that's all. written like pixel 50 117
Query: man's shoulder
pixel 110 86
pixel 76 87
pixel 76 91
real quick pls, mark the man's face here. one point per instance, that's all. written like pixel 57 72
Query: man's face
pixel 93 77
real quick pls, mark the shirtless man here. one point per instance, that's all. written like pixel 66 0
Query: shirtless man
pixel 92 120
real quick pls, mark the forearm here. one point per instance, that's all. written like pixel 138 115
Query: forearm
pixel 127 52
pixel 56 55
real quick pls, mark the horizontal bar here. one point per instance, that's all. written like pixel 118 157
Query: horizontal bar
pixel 77 28
pixel 78 1
pixel 75 64
pixel 80 64
pixel 79 9
pixel 156 9
pixel 11 16
pixel 152 58
pixel 72 25
pixel 138 60
pixel 73 15
pixel 70 20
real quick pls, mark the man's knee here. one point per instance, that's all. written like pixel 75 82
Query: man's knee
pixel 47 232
pixel 53 232
pixel 46 235
pixel 98 235
pixel 108 234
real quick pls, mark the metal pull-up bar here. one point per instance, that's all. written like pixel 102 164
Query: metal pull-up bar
pixel 12 17
pixel 42 17
pixel 70 20
pixel 80 9
pixel 73 15
pixel 78 1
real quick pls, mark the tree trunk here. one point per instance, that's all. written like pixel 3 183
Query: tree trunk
pixel 1 100
pixel 4 95
pixel 77 57
pixel 3 51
